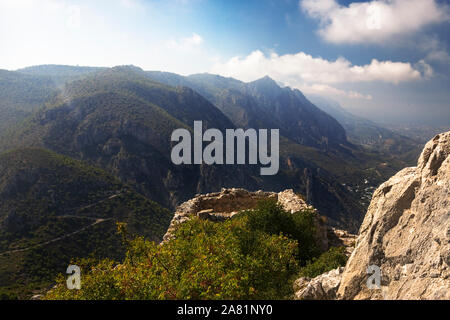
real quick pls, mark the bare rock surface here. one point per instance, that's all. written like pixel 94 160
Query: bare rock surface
pixel 341 238
pixel 322 287
pixel 406 233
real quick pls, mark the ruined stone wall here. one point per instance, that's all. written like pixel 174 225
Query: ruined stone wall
pixel 219 206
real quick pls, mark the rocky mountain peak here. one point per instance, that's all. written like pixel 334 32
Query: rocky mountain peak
pixel 265 83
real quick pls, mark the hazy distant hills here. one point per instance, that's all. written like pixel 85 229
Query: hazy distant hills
pixel 314 139
pixel 59 74
pixel 54 209
pixel 366 133
pixel 421 133
pixel 21 94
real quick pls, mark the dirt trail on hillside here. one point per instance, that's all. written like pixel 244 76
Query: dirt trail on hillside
pixel 97 221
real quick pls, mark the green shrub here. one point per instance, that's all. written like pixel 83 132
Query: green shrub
pixel 271 218
pixel 332 259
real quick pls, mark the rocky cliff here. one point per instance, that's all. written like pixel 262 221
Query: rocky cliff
pixel 406 233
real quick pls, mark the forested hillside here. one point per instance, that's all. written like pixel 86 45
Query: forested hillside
pixel 54 209
pixel 20 95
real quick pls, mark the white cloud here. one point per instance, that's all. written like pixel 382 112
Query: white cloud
pixel 373 21
pixel 326 90
pixel 439 56
pixel 186 44
pixel 315 74
pixel 424 68
pixel 319 8
pixel 195 39
pixel 436 55
pixel 307 68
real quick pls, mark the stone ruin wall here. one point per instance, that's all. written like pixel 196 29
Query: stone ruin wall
pixel 219 206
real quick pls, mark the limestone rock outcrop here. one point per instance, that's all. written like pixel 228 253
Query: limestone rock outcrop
pixel 406 233
pixel 322 287
pixel 341 238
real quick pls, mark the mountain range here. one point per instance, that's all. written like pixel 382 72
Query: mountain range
pixel 78 138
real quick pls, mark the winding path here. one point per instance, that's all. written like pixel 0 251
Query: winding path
pixel 97 221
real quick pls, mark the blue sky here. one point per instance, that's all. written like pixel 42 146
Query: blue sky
pixel 387 60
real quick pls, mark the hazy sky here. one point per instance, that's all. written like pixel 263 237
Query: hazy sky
pixel 387 60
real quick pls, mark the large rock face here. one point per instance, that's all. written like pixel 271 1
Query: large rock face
pixel 406 233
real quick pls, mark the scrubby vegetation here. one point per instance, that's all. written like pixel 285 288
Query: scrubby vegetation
pixel 54 208
pixel 255 255
pixel 332 259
